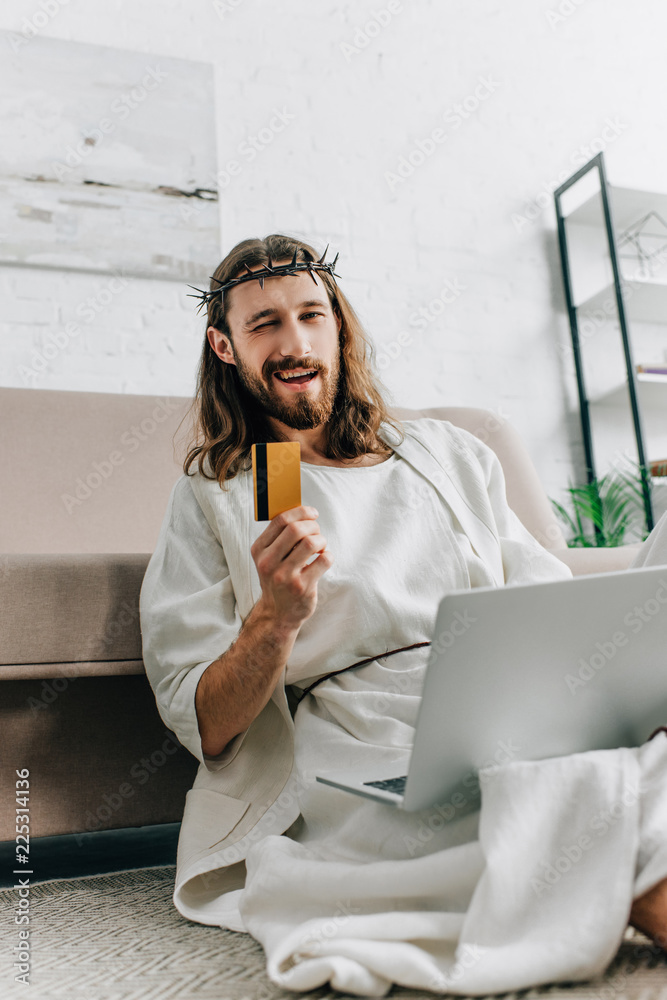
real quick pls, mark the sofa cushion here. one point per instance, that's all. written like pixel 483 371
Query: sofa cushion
pixel 70 615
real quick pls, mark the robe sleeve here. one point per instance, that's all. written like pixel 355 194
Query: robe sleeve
pixel 653 551
pixel 525 560
pixel 188 616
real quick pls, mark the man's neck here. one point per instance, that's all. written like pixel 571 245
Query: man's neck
pixel 312 441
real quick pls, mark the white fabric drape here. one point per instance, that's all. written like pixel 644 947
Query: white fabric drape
pixel 543 895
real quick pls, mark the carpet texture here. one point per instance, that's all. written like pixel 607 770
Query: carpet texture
pixel 119 937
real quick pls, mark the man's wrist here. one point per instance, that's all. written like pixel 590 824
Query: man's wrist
pixel 274 626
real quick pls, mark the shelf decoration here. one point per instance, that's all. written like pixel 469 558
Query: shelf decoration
pixel 648 248
pixel 659 468
pixel 656 368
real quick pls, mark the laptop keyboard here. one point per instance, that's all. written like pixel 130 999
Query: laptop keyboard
pixel 396 785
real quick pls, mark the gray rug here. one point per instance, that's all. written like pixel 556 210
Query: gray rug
pixel 119 937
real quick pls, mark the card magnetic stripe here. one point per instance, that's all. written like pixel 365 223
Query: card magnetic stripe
pixel 262 484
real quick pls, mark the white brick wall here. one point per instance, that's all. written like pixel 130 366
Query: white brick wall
pixel 553 80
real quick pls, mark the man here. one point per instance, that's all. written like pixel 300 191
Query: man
pixel 236 615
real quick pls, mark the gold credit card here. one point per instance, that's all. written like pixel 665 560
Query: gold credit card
pixel 276 475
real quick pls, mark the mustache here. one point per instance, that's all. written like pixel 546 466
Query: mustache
pixel 289 366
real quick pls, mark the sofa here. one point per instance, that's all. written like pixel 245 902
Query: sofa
pixel 87 479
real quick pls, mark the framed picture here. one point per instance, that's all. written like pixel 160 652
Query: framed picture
pixel 116 170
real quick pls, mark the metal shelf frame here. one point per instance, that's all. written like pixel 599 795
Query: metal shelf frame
pixel 597 163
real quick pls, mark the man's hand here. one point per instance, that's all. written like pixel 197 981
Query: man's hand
pixel 234 689
pixel 281 554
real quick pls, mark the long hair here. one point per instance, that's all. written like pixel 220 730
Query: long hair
pixel 227 420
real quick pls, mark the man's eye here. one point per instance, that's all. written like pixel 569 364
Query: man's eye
pixel 273 322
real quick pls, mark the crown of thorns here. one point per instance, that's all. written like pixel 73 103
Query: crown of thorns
pixel 266 271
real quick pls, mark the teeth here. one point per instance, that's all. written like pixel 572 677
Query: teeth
pixel 286 375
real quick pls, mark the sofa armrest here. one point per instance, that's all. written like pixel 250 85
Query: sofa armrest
pixel 75 613
pixel 598 560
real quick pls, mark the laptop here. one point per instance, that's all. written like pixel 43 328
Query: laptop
pixel 535 671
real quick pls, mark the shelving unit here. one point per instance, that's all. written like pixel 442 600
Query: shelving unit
pixel 615 273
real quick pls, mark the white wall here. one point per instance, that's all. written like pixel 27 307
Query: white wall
pixel 558 74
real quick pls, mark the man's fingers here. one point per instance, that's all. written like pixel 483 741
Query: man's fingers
pixel 280 522
pixel 319 564
pixel 283 534
pixel 304 548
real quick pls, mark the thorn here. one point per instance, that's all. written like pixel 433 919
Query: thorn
pixel 310 272
pixel 294 259
pixel 321 260
pixel 248 269
pixel 261 281
pixel 333 266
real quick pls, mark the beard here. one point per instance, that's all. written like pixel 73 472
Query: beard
pixel 304 411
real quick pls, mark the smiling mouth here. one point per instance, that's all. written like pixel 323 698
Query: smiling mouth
pixel 291 378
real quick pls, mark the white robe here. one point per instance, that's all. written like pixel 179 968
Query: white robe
pixel 536 888
pixel 469 902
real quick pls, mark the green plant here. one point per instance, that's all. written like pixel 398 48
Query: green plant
pixel 607 509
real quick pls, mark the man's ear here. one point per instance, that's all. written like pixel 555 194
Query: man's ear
pixel 221 345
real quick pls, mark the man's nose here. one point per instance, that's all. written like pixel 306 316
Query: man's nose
pixel 294 341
